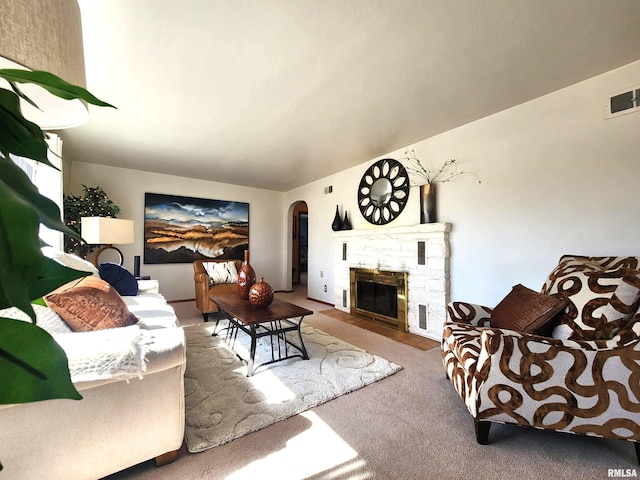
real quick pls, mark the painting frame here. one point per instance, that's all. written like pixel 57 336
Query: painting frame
pixel 182 229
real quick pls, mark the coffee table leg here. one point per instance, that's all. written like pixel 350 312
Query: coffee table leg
pixel 305 356
pixel 252 354
pixel 215 328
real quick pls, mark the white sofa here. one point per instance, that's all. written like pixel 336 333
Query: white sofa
pixel 121 421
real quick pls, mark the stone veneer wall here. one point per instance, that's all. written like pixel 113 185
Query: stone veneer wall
pixel 420 250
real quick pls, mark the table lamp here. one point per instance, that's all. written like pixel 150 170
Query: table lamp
pixel 106 231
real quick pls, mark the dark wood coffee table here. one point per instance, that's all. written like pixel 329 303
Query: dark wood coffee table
pixel 273 321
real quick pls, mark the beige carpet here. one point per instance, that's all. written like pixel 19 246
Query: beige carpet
pixel 410 426
pixel 222 403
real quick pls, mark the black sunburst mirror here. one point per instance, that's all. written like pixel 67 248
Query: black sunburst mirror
pixel 383 191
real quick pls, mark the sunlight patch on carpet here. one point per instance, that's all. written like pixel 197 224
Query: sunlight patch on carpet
pixel 302 455
pixel 273 390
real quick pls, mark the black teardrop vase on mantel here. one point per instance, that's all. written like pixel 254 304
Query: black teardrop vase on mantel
pixel 337 222
pixel 346 224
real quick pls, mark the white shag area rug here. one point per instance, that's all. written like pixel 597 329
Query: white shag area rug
pixel 222 403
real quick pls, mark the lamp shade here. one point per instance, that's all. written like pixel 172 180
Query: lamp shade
pixel 106 231
pixel 45 35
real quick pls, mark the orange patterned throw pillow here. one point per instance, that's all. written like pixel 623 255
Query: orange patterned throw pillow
pixel 90 304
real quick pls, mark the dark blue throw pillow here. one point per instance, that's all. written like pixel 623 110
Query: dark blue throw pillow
pixel 119 278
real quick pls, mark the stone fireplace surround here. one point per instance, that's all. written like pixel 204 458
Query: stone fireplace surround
pixel 420 250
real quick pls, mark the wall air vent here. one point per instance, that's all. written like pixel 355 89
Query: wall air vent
pixel 623 102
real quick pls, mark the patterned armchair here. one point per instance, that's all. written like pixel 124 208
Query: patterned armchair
pixel 583 379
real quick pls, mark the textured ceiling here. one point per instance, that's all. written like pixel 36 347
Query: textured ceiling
pixel 278 93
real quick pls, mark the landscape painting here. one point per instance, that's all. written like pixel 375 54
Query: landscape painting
pixel 183 229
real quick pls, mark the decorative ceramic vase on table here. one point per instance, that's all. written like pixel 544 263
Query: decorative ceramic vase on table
pixel 261 294
pixel 246 277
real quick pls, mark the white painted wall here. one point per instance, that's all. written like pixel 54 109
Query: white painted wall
pixel 127 188
pixel 556 178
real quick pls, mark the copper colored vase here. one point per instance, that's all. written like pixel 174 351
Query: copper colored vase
pixel 246 277
pixel 261 294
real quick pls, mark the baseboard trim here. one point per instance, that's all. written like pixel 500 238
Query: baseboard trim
pixel 182 301
pixel 320 301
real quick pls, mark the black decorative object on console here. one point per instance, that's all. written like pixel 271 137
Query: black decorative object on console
pixel 136 266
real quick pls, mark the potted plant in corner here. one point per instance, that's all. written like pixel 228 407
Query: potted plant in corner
pixel 94 202
pixel 427 180
pixel 32 365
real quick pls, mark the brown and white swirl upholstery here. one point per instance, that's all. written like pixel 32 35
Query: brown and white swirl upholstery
pixel 586 382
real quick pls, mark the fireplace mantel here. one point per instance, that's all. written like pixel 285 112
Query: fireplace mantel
pixel 425 228
pixel 422 251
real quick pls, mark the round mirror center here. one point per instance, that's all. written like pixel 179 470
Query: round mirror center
pixel 380 192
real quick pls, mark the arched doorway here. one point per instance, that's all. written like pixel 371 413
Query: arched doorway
pixel 299 244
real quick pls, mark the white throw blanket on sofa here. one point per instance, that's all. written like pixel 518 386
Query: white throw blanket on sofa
pixel 115 353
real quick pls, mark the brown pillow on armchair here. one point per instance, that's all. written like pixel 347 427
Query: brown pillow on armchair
pixel 526 311
pixel 90 304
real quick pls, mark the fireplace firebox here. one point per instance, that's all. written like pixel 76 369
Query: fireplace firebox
pixel 379 296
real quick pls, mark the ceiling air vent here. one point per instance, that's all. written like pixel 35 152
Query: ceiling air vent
pixel 623 102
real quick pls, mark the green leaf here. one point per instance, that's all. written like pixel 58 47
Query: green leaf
pixel 18 92
pixel 22 259
pixel 18 135
pixel 52 276
pixel 53 84
pixel 46 209
pixel 32 365
pixel 25 273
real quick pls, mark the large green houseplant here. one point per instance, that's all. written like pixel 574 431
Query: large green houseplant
pixel 32 365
